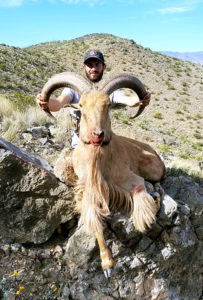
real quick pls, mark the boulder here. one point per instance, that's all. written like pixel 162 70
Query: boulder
pixel 33 202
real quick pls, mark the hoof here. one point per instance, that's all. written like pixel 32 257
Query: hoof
pixel 108 272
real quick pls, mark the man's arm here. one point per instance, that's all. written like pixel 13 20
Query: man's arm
pixel 55 103
pixel 133 100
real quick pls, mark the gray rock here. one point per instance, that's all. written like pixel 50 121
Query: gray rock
pixel 123 227
pixel 169 207
pixel 38 132
pixel 66 293
pixel 79 249
pixel 32 201
pixel 10 296
pixel 189 195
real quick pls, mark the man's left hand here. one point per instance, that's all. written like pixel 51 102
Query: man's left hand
pixel 134 100
pixel 144 102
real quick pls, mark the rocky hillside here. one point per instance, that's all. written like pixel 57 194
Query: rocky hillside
pixel 172 122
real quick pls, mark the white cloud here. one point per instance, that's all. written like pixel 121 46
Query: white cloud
pixel 174 10
pixel 179 6
pixel 10 3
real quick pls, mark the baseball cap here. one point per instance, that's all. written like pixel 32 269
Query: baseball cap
pixel 94 54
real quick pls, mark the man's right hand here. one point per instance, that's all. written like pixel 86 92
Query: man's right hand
pixel 40 101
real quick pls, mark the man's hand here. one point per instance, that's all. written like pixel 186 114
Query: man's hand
pixel 144 102
pixel 40 101
pixel 54 104
pixel 134 100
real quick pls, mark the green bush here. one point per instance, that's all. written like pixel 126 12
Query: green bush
pixel 179 112
pixel 158 115
pixel 22 100
pixel 184 155
pixel 164 148
pixel 197 135
pixel 3 67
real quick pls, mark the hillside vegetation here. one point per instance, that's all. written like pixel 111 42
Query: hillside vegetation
pixel 173 121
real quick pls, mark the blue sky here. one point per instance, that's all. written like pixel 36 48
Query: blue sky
pixel 170 25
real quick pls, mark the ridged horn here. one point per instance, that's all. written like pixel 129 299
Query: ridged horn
pixel 126 81
pixel 65 79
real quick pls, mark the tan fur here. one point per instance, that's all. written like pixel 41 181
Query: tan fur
pixel 112 175
pixel 98 194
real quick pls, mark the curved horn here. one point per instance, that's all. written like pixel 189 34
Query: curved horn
pixel 126 81
pixel 65 79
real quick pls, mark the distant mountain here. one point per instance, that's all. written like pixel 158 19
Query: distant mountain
pixel 196 57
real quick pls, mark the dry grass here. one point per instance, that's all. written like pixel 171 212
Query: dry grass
pixel 188 167
pixel 63 126
pixel 35 115
pixel 7 107
pixel 14 121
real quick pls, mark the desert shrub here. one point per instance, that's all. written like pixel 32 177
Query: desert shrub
pixel 197 145
pixel 126 122
pixel 164 148
pixel 117 114
pixel 184 155
pixel 171 87
pixel 185 84
pixel 197 135
pixel 3 67
pixel 179 112
pixel 144 125
pixel 22 100
pixel 170 131
pixel 108 69
pixel 197 117
pixel 158 116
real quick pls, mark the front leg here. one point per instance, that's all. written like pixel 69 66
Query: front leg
pixel 107 262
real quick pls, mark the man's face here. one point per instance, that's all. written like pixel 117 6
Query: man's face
pixel 94 69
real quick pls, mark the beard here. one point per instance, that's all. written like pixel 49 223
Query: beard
pixel 95 79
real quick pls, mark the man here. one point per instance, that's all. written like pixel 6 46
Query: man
pixel 94 66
